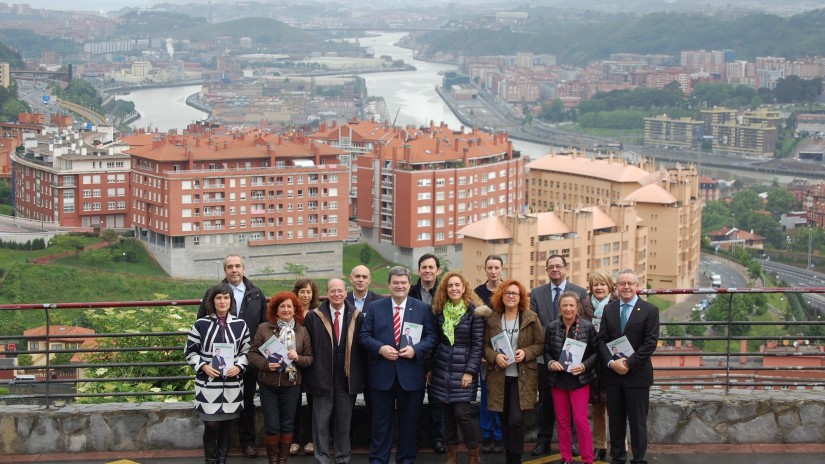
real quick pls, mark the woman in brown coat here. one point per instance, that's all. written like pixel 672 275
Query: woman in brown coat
pixel 279 382
pixel 512 384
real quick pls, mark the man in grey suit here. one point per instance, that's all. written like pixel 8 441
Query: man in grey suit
pixel 628 379
pixel 544 301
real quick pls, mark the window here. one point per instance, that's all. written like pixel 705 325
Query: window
pixel 425 182
pixel 424 223
pixel 424 236
pixel 439 195
pixel 439 182
pixel 425 195
pixel 87 193
pixel 424 209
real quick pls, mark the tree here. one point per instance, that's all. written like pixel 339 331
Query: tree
pixel 745 201
pixel 754 270
pixel 715 215
pixel 109 236
pixel 781 201
pixel 366 255
pixel 298 269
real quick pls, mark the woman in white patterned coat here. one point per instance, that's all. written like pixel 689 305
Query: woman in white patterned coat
pixel 218 393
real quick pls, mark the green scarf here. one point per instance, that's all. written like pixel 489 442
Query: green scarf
pixel 452 314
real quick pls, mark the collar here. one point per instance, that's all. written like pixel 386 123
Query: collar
pixel 403 304
pixel 632 302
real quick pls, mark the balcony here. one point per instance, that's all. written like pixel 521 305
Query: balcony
pixel 214 200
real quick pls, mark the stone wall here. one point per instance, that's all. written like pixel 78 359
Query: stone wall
pixel 675 418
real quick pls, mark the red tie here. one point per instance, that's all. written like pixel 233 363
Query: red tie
pixel 337 327
pixel 396 319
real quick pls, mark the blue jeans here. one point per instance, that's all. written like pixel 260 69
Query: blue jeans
pixel 489 421
pixel 278 405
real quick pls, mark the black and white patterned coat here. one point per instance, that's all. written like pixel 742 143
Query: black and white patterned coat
pixel 219 395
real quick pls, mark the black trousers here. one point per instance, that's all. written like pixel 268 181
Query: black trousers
pixel 458 416
pixel 512 418
pixel 247 433
pixel 628 405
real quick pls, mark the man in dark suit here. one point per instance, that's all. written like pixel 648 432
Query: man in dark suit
pixel 251 304
pixel 361 296
pixel 406 340
pixel 544 301
pixel 617 354
pixel 336 374
pixel 628 379
pixel 396 376
pixel 432 422
pixel 217 361
pixel 567 357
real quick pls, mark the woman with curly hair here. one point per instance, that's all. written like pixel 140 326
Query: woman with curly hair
pixel 455 362
pixel 279 383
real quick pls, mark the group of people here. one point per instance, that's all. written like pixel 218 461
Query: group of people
pixel 437 337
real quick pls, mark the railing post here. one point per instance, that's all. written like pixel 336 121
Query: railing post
pixel 727 355
pixel 48 357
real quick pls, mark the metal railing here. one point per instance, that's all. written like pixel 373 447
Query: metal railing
pixel 733 367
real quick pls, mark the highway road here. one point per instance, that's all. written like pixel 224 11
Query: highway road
pixel 796 277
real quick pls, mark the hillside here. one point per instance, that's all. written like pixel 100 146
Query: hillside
pixel 749 36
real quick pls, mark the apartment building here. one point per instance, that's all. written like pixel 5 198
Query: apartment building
pixel 663 131
pixel 418 188
pixel 71 178
pixel 590 238
pixel 208 191
pixel 356 138
pixel 666 201
pixel 5 74
pixel 58 337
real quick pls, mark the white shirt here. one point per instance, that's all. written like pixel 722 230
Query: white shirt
pixel 238 293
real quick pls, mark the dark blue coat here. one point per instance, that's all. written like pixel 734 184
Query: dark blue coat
pixel 449 363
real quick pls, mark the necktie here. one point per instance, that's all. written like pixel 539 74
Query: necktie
pixel 336 326
pixel 557 292
pixel 624 315
pixel 396 320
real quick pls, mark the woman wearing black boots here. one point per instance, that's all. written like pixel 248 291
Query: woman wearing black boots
pixel 218 382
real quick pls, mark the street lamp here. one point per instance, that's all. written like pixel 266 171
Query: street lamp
pixel 124 262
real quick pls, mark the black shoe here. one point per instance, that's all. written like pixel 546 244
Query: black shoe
pixel 576 450
pixel 599 454
pixel 540 448
pixel 498 447
pixel 487 445
pixel 439 448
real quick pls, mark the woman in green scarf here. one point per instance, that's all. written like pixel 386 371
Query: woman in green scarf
pixel 455 362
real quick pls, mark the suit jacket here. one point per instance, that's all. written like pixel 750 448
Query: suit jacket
pixel 369 299
pixel 379 330
pixel 253 306
pixel 318 377
pixel 541 301
pixel 642 331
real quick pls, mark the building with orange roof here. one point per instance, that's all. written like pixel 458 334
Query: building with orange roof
pixel 416 188
pixel 58 337
pixel 357 137
pixel 666 202
pixel 592 238
pixel 731 238
pixel 208 191
pixel 72 178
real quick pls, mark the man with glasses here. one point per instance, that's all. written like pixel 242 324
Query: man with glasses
pixel 337 373
pixel 544 301
pixel 628 379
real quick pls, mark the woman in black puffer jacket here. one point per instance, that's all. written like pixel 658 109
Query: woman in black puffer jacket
pixel 456 360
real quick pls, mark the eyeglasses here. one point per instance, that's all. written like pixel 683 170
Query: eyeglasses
pixel 512 293
pixel 626 284
pixel 555 266
pixel 336 291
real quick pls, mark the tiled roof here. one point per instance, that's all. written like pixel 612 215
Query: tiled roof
pixel 612 169
pixel 652 193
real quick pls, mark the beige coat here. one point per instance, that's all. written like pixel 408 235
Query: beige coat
pixel 531 340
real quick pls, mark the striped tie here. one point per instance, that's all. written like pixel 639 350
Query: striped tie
pixel 396 319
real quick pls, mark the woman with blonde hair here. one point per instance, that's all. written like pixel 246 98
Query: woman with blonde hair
pixel 601 289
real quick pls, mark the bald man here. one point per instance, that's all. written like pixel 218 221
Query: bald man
pixel 361 296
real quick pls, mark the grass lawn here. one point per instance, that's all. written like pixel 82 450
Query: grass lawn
pixel 6 210
pixel 379 266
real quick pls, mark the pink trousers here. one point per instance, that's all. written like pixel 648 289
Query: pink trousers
pixel 565 401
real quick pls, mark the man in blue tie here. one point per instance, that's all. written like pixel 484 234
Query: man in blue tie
pixel 396 375
pixel 544 301
pixel 628 379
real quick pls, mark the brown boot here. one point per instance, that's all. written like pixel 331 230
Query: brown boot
pixel 271 443
pixel 474 456
pixel 452 454
pixel 283 448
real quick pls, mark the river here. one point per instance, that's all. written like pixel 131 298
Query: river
pixel 410 96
